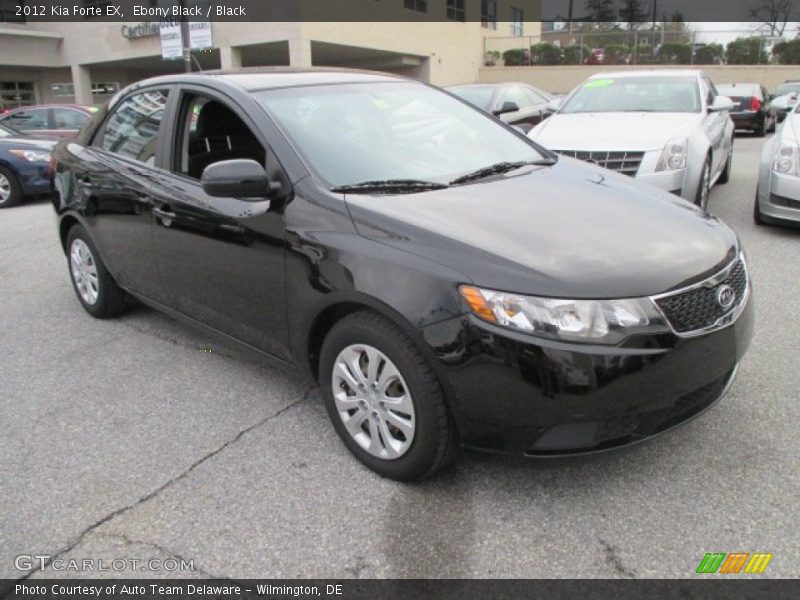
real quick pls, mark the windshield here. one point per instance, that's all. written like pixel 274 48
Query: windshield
pixel 636 94
pixel 787 88
pixel 477 95
pixel 353 133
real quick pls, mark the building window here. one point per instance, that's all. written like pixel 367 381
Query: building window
pixel 16 93
pixel 516 21
pixel 59 90
pixel 455 10
pixel 8 11
pixel 418 5
pixel 105 88
pixel 489 14
pixel 94 9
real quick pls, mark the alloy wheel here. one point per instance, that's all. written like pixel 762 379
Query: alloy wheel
pixel 373 401
pixel 84 271
pixel 5 189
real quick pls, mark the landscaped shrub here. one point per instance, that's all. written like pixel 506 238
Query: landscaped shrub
pixel 545 54
pixel 747 51
pixel 516 57
pixel 787 53
pixel 575 55
pixel 675 54
pixel 709 54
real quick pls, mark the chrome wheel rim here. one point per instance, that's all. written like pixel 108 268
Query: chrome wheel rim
pixel 706 185
pixel 5 188
pixel 373 401
pixel 84 272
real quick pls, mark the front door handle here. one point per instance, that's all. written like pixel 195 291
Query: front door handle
pixel 164 214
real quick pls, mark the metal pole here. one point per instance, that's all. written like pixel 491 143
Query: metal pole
pixel 187 50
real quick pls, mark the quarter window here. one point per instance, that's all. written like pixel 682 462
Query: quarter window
pixel 132 130
pixel 28 120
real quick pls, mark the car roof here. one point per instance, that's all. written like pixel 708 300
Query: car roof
pixel 648 73
pixel 264 78
pixel 488 84
pixel 29 107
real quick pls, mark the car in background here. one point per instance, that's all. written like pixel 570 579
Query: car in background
pixel 49 121
pixel 516 104
pixel 597 57
pixel 669 128
pixel 754 110
pixel 778 193
pixel 788 91
pixel 24 166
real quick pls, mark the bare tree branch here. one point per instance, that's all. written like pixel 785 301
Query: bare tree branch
pixel 774 14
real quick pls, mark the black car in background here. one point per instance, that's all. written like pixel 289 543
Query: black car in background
pixel 24 166
pixel 445 279
pixel 516 104
pixel 754 110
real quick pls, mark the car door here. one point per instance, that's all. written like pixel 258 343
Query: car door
pixel 113 176
pixel 223 258
pixel 714 125
pixel 29 120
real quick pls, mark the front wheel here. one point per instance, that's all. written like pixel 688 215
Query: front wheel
pixel 704 188
pixel 10 190
pixel 384 399
pixel 96 289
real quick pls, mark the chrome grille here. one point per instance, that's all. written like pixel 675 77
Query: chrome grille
pixel 697 309
pixel 620 161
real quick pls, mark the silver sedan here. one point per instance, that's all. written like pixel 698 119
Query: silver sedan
pixel 778 194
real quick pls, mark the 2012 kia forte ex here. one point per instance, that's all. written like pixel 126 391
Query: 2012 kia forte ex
pixel 445 279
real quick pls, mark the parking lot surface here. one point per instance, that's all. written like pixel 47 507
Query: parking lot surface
pixel 141 438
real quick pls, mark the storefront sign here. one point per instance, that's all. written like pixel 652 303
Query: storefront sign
pixel 140 30
pixel 200 35
pixel 171 40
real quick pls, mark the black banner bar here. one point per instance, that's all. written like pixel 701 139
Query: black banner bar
pixel 713 587
pixel 578 11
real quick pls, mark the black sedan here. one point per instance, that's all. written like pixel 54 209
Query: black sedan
pixel 754 110
pixel 513 103
pixel 445 280
pixel 24 166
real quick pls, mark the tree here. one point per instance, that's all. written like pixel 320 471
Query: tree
pixel 774 14
pixel 787 53
pixel 747 51
pixel 633 13
pixel 601 11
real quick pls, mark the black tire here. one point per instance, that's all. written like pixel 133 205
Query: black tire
pixel 774 126
pixel 14 188
pixel 434 444
pixel 762 131
pixel 698 197
pixel 725 176
pixel 757 216
pixel 111 298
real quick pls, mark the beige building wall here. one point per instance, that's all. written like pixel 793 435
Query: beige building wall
pixel 562 79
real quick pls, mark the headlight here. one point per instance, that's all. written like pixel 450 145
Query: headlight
pixel 786 159
pixel 32 155
pixel 674 156
pixel 589 321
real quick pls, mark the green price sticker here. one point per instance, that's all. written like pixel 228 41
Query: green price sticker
pixel 599 83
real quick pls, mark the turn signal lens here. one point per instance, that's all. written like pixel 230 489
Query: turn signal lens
pixel 477 303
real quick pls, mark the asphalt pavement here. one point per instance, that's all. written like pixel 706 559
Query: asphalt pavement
pixel 140 438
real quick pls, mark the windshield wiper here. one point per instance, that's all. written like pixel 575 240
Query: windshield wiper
pixel 501 167
pixel 390 186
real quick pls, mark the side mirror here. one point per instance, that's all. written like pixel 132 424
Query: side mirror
pixel 507 107
pixel 555 104
pixel 239 178
pixel 722 103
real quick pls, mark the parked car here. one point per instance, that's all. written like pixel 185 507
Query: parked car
pixel 597 57
pixel 469 287
pixel 667 127
pixel 24 166
pixel 754 110
pixel 778 194
pixel 513 103
pixel 48 121
pixel 789 91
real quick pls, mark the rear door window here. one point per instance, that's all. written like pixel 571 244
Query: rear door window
pixel 132 128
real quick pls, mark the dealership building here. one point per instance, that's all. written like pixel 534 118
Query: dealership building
pixel 86 62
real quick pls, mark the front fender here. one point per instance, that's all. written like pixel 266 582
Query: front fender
pixel 698 148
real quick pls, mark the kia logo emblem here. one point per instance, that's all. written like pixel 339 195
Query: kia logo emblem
pixel 726 296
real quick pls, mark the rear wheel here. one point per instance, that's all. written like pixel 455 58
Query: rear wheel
pixel 725 176
pixel 762 130
pixel 96 289
pixel 10 190
pixel 384 399
pixel 704 187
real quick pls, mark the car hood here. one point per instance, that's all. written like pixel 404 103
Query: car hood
pixel 635 131
pixel 26 143
pixel 570 230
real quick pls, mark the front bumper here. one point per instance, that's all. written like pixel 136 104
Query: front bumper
pixel 514 393
pixel 34 178
pixel 781 201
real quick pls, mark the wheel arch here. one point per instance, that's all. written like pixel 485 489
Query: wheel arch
pixel 67 222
